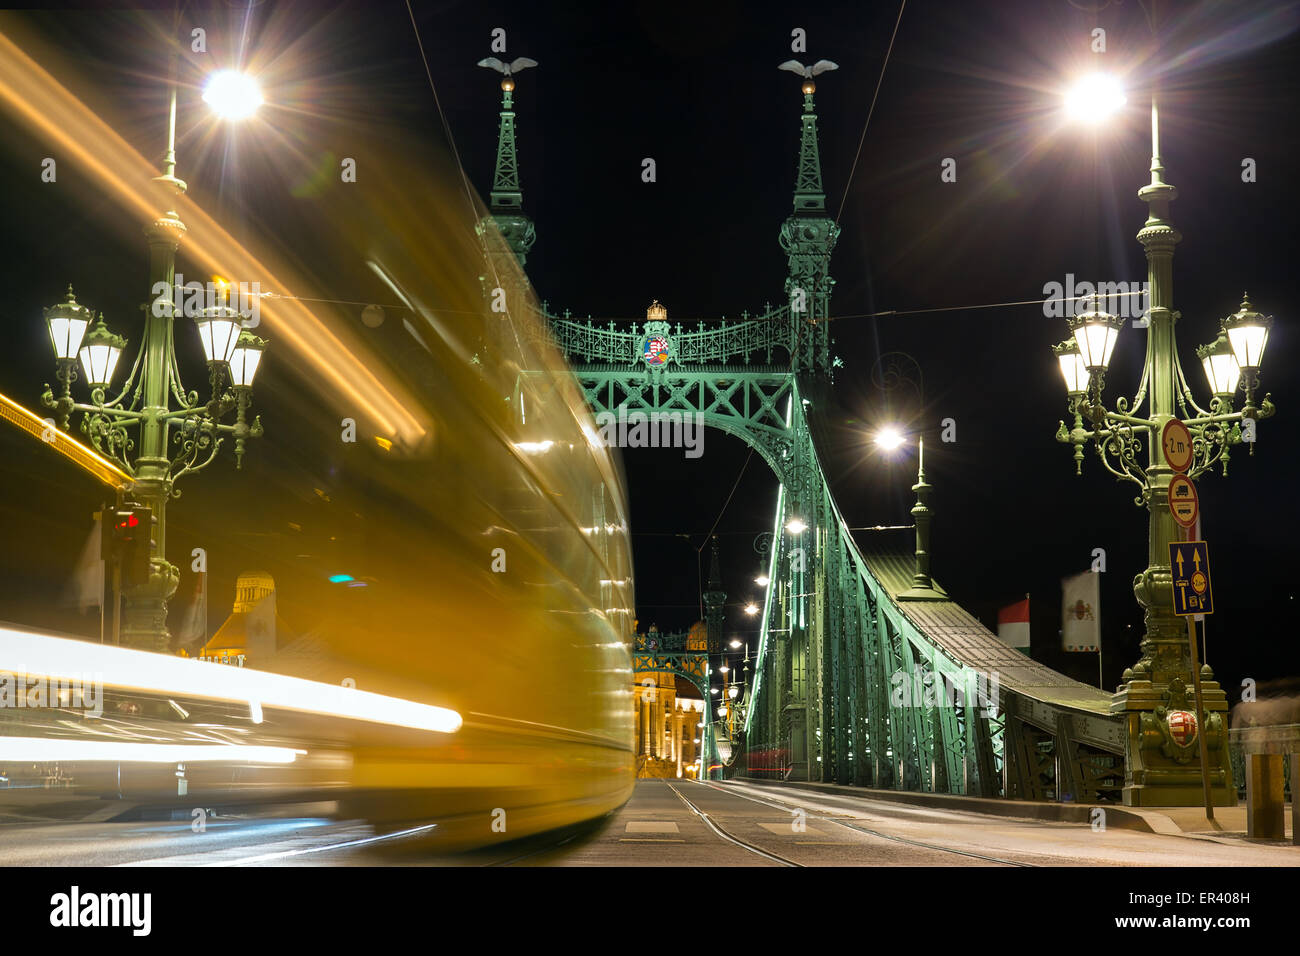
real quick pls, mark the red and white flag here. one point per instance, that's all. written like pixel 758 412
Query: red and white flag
pixel 1013 624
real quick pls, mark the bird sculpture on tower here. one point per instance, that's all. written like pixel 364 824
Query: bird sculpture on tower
pixel 807 72
pixel 514 66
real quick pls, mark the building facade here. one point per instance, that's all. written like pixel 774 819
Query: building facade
pixel 669 709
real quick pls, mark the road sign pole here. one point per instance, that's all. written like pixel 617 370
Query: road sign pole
pixel 1202 718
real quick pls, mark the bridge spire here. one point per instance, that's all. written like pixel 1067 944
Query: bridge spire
pixel 808 236
pixel 506 203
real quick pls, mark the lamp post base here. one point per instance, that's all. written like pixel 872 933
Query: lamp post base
pixel 1162 762
pixel 144 623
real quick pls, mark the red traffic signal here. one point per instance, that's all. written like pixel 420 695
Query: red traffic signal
pixel 127 537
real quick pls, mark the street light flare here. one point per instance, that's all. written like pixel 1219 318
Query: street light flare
pixel 1094 98
pixel 232 95
pixel 889 438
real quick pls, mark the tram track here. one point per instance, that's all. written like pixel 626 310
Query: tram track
pixel 730 837
pixel 867 830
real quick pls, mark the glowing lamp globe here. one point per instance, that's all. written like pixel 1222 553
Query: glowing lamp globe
pixel 1248 335
pixel 889 438
pixel 232 95
pixel 67 323
pixel 1073 369
pixel 1094 98
pixel 100 351
pixel 245 359
pixel 1221 368
pixel 219 328
pixel 1096 332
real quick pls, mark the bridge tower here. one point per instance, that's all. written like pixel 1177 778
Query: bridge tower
pixel 865 672
pixel 506 204
pixel 808 237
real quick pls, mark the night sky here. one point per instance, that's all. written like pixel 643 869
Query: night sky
pixel 696 87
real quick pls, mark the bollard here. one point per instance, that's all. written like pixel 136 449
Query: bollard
pixel 1265 819
pixel 1295 803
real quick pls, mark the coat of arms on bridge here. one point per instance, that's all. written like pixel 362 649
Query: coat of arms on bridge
pixel 656 347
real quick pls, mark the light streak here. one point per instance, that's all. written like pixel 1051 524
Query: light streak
pixel 77 134
pixel 149 672
pixel 47 749
pixel 65 445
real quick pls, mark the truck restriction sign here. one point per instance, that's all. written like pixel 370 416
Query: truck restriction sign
pixel 1183 501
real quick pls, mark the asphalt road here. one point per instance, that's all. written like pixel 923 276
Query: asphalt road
pixel 666 823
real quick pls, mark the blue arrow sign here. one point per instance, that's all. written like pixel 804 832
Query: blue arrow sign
pixel 1190 563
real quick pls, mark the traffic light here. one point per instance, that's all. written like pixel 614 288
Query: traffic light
pixel 128 537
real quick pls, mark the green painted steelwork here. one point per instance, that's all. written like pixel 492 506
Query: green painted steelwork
pixel 1159 770
pixel 507 196
pixel 858 678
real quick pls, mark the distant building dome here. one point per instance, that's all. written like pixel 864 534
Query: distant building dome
pixel 251 587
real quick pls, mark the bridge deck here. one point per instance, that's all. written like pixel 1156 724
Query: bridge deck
pixel 959 634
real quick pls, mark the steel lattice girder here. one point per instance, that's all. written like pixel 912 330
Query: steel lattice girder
pixel 830 621
pixel 852 625
pixel 744 403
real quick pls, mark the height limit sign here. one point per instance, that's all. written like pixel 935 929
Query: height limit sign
pixel 1190 562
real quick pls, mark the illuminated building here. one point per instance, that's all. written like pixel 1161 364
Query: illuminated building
pixel 250 633
pixel 668 709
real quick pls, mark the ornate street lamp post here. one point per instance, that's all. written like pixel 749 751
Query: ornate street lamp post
pixel 152 440
pixel 1162 766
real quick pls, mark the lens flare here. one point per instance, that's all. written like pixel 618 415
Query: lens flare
pixel 1094 98
pixel 232 95
pixel 889 438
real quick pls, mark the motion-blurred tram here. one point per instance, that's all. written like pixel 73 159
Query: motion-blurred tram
pixel 446 532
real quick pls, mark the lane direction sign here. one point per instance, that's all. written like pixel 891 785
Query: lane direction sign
pixel 1190 563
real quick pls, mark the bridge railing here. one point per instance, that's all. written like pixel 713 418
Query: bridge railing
pixel 666 643
pixel 713 343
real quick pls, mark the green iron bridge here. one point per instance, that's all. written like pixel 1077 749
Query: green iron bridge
pixel 866 672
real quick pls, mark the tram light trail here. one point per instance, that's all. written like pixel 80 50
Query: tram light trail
pixel 120 667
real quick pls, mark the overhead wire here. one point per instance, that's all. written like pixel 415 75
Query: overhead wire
pixel 863 138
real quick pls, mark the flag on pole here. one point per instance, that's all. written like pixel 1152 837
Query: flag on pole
pixel 86 588
pixel 193 631
pixel 1013 624
pixel 1081 612
pixel 260 643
